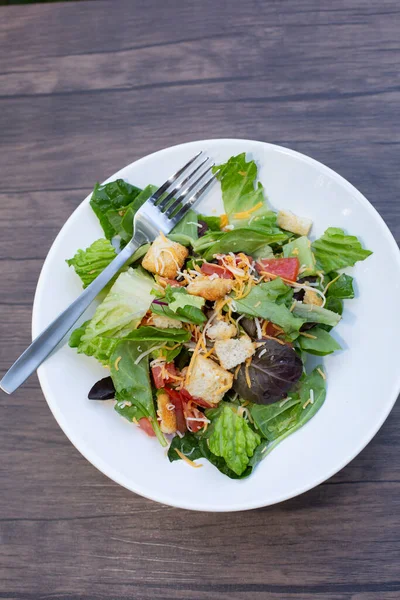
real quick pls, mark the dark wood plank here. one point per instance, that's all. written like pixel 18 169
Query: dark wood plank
pixel 84 89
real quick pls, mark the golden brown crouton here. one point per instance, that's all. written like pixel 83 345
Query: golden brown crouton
pixel 210 289
pixel 220 330
pixel 290 222
pixel 234 352
pixel 165 257
pixel 166 413
pixel 208 381
pixel 311 297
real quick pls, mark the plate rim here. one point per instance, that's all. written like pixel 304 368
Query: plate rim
pixel 165 498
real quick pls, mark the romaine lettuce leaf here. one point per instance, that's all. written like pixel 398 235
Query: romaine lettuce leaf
pixel 245 239
pixel 148 333
pixel 181 305
pixel 89 263
pixel 186 227
pixel 267 300
pixel 113 196
pixel 335 250
pixel 122 219
pixel 231 438
pixel 99 347
pixel 301 249
pixel 121 311
pixel 239 195
pixel 311 313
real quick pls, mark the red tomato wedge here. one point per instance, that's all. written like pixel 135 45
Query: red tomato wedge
pixel 146 426
pixel 160 375
pixel 211 269
pixel 287 268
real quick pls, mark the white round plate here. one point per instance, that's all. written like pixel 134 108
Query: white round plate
pixel 363 379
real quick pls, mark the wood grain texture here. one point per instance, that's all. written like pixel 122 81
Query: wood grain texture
pixel 88 87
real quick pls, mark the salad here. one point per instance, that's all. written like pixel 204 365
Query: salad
pixel 206 331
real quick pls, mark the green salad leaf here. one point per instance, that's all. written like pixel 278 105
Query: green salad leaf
pixel 277 421
pixel 122 219
pixel 245 239
pixel 181 306
pixel 273 419
pixel 120 313
pixel 89 263
pixel 231 438
pixel 310 313
pixel 188 226
pixel 148 333
pixel 335 250
pixel 98 347
pixel 321 344
pixel 109 198
pixel 341 288
pixel 196 446
pixel 267 300
pixel 334 304
pixel 188 445
pixel 301 249
pixel 213 223
pixel 239 194
pixel 132 383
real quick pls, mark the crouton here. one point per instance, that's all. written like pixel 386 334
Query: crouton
pixel 290 222
pixel 221 331
pixel 164 322
pixel 166 413
pixel 311 297
pixel 165 257
pixel 210 289
pixel 208 381
pixel 231 353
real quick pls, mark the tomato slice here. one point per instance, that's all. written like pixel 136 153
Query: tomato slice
pixel 287 268
pixel 211 269
pixel 146 426
pixel 161 379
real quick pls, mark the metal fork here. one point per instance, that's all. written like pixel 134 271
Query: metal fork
pixel 160 213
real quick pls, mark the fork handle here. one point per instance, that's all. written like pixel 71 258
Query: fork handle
pixel 45 343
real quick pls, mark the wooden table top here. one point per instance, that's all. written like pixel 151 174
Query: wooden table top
pixel 87 87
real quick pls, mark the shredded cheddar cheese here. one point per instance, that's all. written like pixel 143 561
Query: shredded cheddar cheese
pixel 330 283
pixel 186 459
pixel 119 358
pixel 223 221
pixel 246 213
pixel 247 374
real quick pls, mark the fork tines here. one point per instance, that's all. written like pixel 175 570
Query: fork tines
pixel 179 187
